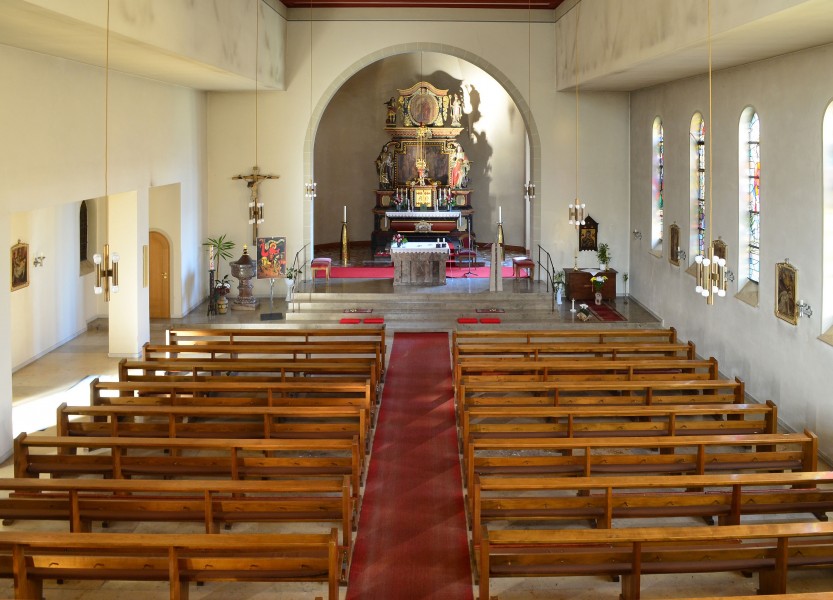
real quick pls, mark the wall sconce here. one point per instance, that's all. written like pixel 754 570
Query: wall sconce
pixel 681 254
pixel 309 190
pixel 804 309
pixel 637 235
pixel 104 274
pixel 529 190
pixel 38 260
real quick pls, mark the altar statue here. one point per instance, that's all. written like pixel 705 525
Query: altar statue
pixel 459 169
pixel 384 166
pixel 456 111
pixel 391 118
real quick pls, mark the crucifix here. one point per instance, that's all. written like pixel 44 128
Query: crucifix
pixel 253 180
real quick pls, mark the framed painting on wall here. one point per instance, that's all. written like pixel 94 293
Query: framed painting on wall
pixel 674 243
pixel 588 235
pixel 20 265
pixel 786 292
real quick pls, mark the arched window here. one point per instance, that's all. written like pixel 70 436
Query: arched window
pixel 657 186
pixel 83 240
pixel 698 186
pixel 753 191
pixel 827 240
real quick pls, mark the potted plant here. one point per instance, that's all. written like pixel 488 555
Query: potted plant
pixel 291 274
pixel 603 254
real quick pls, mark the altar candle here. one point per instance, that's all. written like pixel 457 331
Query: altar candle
pixel 500 214
pixel 345 214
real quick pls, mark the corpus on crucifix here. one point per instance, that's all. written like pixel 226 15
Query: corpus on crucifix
pixel 253 180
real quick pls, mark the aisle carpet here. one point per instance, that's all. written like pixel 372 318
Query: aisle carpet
pixel 605 312
pixel 411 542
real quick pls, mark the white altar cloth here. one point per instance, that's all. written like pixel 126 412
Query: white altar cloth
pixel 422 214
pixel 419 263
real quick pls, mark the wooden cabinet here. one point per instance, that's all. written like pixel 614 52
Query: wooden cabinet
pixel 580 288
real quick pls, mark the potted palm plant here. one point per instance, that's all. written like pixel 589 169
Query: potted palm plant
pixel 219 248
pixel 603 254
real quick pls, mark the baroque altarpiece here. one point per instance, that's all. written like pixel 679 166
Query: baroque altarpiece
pixel 423 171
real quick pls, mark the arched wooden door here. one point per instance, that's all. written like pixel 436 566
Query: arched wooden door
pixel 159 281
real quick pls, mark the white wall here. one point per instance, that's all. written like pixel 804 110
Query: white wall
pixel 778 361
pixel 51 112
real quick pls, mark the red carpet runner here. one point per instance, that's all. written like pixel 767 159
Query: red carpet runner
pixel 412 543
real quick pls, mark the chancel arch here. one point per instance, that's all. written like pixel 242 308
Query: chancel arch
pixel 447 66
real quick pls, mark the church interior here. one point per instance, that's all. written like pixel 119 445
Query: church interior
pixel 458 169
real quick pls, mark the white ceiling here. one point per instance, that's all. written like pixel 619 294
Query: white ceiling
pixel 23 25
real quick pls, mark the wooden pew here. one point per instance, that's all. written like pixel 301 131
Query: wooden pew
pixel 190 335
pixel 601 393
pixel 484 422
pixel 478 369
pixel 583 335
pixel 277 350
pixel 599 500
pixel 242 422
pixel 771 550
pixel 798 596
pixel 79 502
pixel 696 455
pixel 607 350
pixel 123 458
pixel 279 370
pixel 179 559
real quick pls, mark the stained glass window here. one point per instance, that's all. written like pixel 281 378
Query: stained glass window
pixel 658 201
pixel 698 140
pixel 82 231
pixel 753 146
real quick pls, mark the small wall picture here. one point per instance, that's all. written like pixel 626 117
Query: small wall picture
pixel 786 292
pixel 271 257
pixel 20 265
pixel 674 245
pixel 588 235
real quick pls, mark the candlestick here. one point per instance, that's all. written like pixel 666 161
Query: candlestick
pixel 500 214
pixel 345 214
pixel 574 306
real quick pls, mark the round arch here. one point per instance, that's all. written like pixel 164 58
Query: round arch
pixel 511 89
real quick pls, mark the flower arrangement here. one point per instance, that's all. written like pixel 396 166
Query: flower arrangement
pixel 598 281
pixel 558 279
pixel 292 272
pixel 399 239
pixel 222 286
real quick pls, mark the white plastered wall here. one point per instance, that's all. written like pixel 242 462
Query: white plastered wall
pixel 778 361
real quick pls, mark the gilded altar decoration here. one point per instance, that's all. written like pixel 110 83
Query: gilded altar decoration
pixel 423 170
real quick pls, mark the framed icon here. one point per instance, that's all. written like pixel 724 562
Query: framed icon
pixel 20 265
pixel 271 257
pixel 588 235
pixel 786 292
pixel 674 243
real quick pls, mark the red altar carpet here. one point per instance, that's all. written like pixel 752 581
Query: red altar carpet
pixel 387 272
pixel 411 541
pixel 604 312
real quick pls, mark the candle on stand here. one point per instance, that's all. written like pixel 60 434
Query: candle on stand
pixel 500 214
pixel 345 214
pixel 211 258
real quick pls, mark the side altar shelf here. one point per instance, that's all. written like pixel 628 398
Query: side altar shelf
pixel 419 263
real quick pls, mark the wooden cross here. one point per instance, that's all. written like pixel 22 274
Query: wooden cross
pixel 255 208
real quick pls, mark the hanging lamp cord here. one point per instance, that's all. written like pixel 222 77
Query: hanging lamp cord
pixel 107 102
pixel 575 56
pixel 709 131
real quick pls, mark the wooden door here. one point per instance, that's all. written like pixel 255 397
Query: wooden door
pixel 159 281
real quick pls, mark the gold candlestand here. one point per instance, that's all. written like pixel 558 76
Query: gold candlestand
pixel 345 253
pixel 500 242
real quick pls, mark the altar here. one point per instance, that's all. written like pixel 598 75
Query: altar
pixel 419 263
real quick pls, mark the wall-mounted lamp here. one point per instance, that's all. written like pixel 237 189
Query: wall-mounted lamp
pixel 309 190
pixel 804 309
pixel 730 275
pixel 103 274
pixel 637 235
pixel 529 190
pixel 38 260
pixel 681 255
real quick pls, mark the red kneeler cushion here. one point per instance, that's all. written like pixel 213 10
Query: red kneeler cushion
pixel 374 320
pixel 467 320
pixel 490 320
pixel 348 321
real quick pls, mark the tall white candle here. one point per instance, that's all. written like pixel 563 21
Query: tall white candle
pixel 211 258
pixel 500 214
pixel 345 214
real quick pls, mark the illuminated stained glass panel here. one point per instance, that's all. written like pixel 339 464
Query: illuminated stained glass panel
pixel 754 168
pixel 700 141
pixel 660 200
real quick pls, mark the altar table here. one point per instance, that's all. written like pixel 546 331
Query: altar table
pixel 419 263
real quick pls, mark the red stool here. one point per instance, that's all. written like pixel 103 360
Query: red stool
pixel 321 264
pixel 520 263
